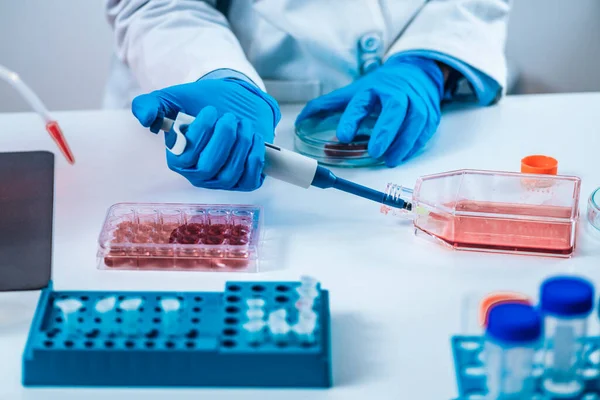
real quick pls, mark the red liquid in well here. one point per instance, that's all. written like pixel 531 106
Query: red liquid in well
pixel 494 232
pixel 186 234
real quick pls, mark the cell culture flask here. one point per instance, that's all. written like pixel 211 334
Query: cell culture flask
pixel 491 211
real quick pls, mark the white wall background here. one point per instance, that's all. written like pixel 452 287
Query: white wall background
pixel 62 48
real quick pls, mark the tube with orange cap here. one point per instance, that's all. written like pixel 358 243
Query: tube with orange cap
pixel 52 126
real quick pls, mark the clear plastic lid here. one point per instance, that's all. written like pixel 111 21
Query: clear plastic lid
pixel 316 138
pixel 180 237
pixel 593 211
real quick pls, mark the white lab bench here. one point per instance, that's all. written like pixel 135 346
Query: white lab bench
pixel 395 298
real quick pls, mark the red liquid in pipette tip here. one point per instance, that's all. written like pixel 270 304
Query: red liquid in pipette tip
pixel 54 130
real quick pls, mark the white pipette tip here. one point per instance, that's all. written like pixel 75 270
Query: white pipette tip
pixel 105 305
pixel 69 306
pixel 130 304
pixel 170 305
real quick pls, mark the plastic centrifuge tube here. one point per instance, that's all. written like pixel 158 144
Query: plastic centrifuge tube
pixel 308 289
pixel 105 308
pixel 52 126
pixel 511 339
pixel 255 333
pixel 278 326
pixel 305 327
pixel 131 315
pixel 69 308
pixel 255 326
pixel 171 315
pixel 255 309
pixel 566 302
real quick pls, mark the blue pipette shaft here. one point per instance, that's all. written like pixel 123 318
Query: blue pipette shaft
pixel 324 179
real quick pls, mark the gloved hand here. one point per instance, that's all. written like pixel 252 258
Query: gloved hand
pixel 406 92
pixel 226 142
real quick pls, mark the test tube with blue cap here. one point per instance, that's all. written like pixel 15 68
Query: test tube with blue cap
pixel 512 337
pixel 566 303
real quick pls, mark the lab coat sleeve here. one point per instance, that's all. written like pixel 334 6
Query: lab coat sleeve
pixel 169 42
pixel 468 35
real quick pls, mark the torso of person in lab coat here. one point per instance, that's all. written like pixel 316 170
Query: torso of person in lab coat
pixel 296 49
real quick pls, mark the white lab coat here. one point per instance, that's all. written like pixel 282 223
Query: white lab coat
pixel 296 49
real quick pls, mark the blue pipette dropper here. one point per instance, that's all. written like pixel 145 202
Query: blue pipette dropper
pixel 325 179
pixel 288 166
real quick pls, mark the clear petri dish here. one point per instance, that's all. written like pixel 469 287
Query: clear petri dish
pixel 593 211
pixel 316 138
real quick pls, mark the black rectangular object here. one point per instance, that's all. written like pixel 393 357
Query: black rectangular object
pixel 26 213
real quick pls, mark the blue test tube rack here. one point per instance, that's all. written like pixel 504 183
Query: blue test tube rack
pixel 470 369
pixel 210 351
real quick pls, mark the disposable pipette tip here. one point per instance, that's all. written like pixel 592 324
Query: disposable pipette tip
pixel 55 132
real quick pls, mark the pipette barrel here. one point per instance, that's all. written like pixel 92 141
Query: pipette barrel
pixel 566 303
pixel 324 178
pixel 511 339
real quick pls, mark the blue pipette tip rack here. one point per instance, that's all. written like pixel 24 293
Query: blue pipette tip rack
pixel 209 349
pixel 470 372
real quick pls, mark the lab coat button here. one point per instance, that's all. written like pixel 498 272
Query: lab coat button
pixel 370 65
pixel 370 42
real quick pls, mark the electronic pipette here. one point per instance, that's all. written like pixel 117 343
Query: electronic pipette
pixel 291 167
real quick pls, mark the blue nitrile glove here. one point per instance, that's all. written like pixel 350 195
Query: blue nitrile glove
pixel 226 142
pixel 405 92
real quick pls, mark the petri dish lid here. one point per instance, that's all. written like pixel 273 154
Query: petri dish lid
pixel 594 209
pixel 514 323
pixel 567 296
pixel 316 138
